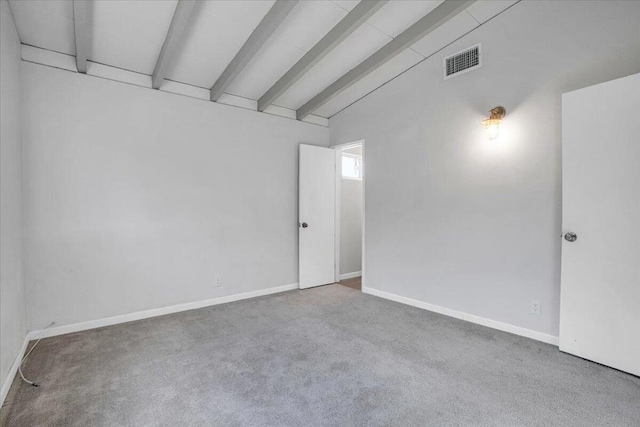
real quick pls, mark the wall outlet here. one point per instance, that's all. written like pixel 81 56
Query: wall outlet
pixel 218 281
pixel 535 307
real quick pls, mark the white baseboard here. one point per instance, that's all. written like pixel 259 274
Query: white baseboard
pixel 6 385
pixel 350 275
pixel 506 327
pixel 92 324
pixel 108 321
pixel 98 323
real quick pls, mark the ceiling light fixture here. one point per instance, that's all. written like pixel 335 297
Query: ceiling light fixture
pixel 492 124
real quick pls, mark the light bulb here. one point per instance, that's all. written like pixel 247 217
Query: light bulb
pixel 493 130
pixel 492 124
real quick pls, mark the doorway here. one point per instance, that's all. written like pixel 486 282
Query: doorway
pixel 600 279
pixel 349 214
pixel 331 215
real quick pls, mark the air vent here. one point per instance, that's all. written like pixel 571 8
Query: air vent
pixel 461 62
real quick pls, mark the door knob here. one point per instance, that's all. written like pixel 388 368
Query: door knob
pixel 305 225
pixel 570 237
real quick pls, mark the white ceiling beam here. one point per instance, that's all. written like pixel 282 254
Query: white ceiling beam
pixel 258 37
pixel 179 23
pixel 436 18
pixel 363 11
pixel 81 33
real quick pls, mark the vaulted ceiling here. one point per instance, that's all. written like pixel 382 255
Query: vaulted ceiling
pixel 312 56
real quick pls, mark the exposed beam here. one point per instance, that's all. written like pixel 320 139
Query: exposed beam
pixel 81 32
pixel 333 38
pixel 262 32
pixel 436 18
pixel 179 23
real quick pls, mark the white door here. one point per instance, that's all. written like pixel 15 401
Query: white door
pixel 600 296
pixel 317 216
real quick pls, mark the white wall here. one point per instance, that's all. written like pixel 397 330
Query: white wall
pixel 469 224
pixel 137 199
pixel 13 322
pixel 350 226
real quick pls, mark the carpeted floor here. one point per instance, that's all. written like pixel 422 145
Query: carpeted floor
pixel 329 356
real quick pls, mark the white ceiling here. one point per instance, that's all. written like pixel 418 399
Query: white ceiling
pixel 130 34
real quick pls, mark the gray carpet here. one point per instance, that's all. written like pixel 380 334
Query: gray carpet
pixel 329 356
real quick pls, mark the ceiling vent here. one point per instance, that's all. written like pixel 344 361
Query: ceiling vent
pixel 463 61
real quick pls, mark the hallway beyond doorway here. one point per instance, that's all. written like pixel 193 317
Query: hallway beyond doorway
pixel 353 283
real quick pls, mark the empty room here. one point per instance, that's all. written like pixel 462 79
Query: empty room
pixel 320 213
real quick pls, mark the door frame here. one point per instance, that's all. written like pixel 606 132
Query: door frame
pixel 339 148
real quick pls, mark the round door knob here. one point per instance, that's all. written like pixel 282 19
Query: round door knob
pixel 570 237
pixel 305 225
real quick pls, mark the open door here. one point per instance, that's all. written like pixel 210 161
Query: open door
pixel 600 296
pixel 317 198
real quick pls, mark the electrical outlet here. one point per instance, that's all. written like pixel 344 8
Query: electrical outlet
pixel 218 281
pixel 535 307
